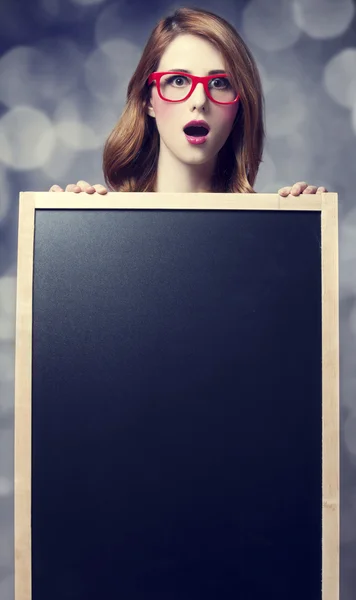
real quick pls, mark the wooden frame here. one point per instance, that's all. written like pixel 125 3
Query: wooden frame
pixel 326 203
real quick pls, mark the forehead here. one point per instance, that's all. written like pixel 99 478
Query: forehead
pixel 193 53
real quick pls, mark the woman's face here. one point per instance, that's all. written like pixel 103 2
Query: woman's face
pixel 198 56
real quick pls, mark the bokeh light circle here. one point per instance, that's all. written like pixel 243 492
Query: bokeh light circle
pixel 270 25
pixel 323 19
pixel 27 138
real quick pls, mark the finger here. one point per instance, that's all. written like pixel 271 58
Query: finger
pixel 311 189
pixel 72 187
pixel 298 188
pixel 100 189
pixel 86 187
pixel 284 191
pixel 321 189
pixel 56 188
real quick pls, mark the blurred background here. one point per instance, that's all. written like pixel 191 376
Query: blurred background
pixel 64 69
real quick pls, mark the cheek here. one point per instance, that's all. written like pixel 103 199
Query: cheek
pixel 163 110
pixel 228 115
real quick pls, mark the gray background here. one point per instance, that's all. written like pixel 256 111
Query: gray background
pixel 64 68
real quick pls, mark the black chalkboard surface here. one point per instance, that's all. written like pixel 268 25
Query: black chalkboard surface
pixel 176 404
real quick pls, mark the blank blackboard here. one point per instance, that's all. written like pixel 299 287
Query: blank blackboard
pixel 177 397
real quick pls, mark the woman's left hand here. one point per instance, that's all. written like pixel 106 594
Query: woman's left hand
pixel 301 187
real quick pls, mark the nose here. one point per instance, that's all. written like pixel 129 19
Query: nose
pixel 198 97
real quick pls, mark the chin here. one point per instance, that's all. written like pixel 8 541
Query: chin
pixel 196 158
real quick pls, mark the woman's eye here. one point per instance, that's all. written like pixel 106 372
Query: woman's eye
pixel 177 80
pixel 220 82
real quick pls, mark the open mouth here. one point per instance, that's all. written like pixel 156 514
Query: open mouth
pixel 196 131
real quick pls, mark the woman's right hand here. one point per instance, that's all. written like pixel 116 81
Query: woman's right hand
pixel 81 186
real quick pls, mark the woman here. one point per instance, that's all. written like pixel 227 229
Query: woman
pixel 195 68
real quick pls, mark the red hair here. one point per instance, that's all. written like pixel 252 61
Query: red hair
pixel 131 151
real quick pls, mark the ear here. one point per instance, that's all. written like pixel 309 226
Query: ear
pixel 149 109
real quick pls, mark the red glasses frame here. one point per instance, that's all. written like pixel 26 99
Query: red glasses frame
pixel 195 80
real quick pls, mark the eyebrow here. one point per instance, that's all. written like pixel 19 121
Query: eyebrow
pixel 214 72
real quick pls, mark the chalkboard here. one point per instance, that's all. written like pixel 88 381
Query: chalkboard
pixel 177 397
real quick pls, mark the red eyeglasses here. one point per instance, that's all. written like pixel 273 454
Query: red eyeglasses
pixel 171 91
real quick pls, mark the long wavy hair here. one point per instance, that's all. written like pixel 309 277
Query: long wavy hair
pixel 131 151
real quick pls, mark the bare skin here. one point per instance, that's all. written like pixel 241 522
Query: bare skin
pixel 183 167
pixel 81 186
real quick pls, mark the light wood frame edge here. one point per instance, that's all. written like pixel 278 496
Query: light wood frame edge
pixel 22 418
pixel 152 200
pixel 330 395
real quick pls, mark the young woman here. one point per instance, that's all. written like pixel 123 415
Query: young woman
pixel 193 120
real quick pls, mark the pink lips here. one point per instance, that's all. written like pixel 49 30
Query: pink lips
pixel 192 139
pixel 196 140
pixel 197 124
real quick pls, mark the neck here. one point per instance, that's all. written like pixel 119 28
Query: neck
pixel 175 176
